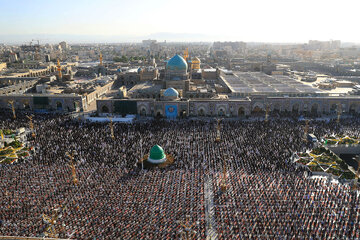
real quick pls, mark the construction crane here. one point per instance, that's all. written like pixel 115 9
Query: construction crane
pixel 31 126
pixel 73 168
pixel 11 102
pixel 186 54
pixel 59 69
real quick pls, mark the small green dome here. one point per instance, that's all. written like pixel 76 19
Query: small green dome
pixel 157 153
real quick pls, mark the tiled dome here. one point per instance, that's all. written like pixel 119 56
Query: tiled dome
pixel 177 63
pixel 171 92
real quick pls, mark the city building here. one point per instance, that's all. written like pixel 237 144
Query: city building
pixel 226 93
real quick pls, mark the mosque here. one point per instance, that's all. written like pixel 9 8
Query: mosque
pixel 188 90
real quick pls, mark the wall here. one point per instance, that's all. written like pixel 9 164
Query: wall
pixel 18 88
pixel 68 102
pixel 98 92
pixel 2 65
pixel 241 107
pixel 344 149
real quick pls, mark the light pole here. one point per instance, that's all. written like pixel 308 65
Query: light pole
pixel 267 112
pixel 141 149
pixel 50 230
pixel 187 233
pixel 31 126
pixel 73 168
pixel 11 102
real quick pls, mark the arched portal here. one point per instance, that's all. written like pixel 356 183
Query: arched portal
pixel 201 111
pixel 314 108
pixel 58 106
pixel 159 114
pixel 257 111
pixel 295 108
pixel 241 112
pixel 221 112
pixel 26 105
pixel 352 108
pixel 105 109
pixel 277 107
pixel 183 113
pixel 333 108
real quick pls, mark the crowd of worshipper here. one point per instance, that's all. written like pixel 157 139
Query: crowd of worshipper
pixel 267 197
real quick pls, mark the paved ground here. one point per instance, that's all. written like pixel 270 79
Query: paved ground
pixel 209 210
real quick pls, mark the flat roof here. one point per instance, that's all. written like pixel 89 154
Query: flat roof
pixel 146 87
pixel 321 78
pixel 258 82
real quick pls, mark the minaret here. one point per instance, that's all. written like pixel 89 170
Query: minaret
pixel 186 54
pixel 101 59
pixel 59 69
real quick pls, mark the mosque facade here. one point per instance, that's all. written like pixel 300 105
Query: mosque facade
pixel 179 97
pixel 176 73
pixel 234 108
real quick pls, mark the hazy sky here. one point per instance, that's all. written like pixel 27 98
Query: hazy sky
pixel 246 20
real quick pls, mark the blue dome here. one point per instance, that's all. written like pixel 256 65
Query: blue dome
pixel 171 92
pixel 177 63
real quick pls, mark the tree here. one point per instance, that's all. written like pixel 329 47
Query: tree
pixel 117 59
pixel 124 59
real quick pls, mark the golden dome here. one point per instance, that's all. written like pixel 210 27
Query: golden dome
pixel 195 60
pixel 195 63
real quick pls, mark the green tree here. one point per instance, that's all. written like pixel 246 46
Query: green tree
pixel 117 59
pixel 124 59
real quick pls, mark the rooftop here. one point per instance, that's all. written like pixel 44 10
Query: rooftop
pixel 338 90
pixel 257 82
pixel 146 87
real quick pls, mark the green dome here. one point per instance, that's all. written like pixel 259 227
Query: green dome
pixel 157 153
